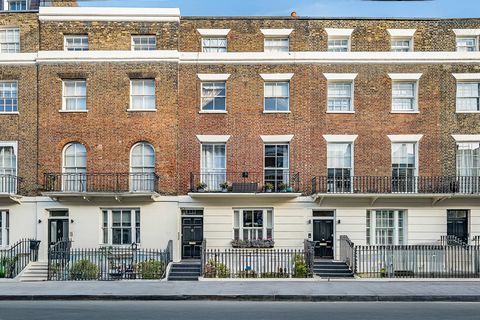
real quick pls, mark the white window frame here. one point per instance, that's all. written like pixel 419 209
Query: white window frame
pixel 142 180
pixel 143 109
pixel 457 144
pixel 414 98
pixel 5 98
pixel 352 95
pixel 265 96
pixel 279 39
pixel 238 224
pixel 371 229
pixel 8 4
pixel 204 171
pixel 415 173
pixel 16 45
pixel 76 97
pixel 75 36
pixel 477 82
pixel 5 228
pixel 203 97
pixel 135 47
pixel 286 170
pixel 352 161
pixel 395 48
pixel 338 38
pixel 475 47
pixel 109 226
pixel 77 179
pixel 216 47
pixel 14 145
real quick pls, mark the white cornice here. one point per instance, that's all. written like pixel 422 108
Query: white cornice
pixel 276 76
pixel 334 32
pixel 401 32
pixel 213 138
pixel 405 137
pixel 107 56
pixel 277 138
pixel 316 57
pixel 213 76
pixel 214 32
pixel 276 32
pixel 108 14
pixel 466 32
pixel 337 138
pixel 466 137
pixel 340 76
pixel 467 76
pixel 17 58
pixel 405 76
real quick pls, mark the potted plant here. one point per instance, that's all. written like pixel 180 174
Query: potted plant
pixel 224 186
pixel 201 187
pixel 282 187
pixel 289 189
pixel 268 187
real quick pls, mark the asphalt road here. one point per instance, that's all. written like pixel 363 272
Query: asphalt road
pixel 211 310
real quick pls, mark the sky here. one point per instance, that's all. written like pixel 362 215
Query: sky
pixel 311 8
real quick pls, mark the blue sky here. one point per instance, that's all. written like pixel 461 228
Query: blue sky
pixel 322 8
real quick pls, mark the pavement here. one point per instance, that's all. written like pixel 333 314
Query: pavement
pixel 395 291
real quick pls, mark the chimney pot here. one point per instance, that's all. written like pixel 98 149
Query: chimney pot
pixel 294 13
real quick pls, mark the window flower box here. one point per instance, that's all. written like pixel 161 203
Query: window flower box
pixel 252 243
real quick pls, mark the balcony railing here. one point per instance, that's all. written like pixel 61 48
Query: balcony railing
pixel 101 182
pixel 425 185
pixel 9 184
pixel 245 182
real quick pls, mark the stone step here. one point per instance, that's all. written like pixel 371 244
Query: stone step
pixel 335 275
pixel 331 271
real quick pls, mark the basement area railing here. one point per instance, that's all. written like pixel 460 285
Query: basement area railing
pixel 107 263
pixel 14 259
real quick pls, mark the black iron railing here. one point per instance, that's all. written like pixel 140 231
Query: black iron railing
pixel 9 184
pixel 255 263
pixel 418 261
pixel 17 257
pixel 347 252
pixel 101 182
pixel 107 263
pixel 370 184
pixel 245 182
pixel 309 248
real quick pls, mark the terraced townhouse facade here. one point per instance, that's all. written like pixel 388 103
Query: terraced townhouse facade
pixel 123 126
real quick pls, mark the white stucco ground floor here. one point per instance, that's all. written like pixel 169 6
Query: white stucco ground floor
pixel 286 220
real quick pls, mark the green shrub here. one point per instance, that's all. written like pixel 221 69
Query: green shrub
pixel 151 269
pixel 8 266
pixel 215 269
pixel 300 269
pixel 84 270
pixel 247 274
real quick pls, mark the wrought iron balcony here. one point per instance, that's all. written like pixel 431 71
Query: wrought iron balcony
pixel 402 185
pixel 9 184
pixel 101 182
pixel 245 182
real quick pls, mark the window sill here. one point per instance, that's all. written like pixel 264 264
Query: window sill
pixel 347 112
pixel 213 111
pixel 142 110
pixel 264 111
pixel 73 111
pixel 407 112
pixel 467 111
pixel 7 113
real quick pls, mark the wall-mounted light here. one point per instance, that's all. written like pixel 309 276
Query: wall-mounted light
pixel 39 221
pixel 309 221
pixel 72 221
pixel 339 221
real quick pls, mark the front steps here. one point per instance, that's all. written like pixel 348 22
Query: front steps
pixel 184 271
pixel 35 271
pixel 331 269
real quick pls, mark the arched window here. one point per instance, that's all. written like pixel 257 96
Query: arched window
pixel 8 168
pixel 74 167
pixel 142 167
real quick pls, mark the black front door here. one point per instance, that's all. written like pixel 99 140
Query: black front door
pixel 457 224
pixel 192 237
pixel 57 230
pixel 323 238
